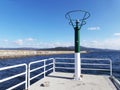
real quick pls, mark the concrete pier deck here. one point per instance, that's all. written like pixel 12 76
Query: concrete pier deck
pixel 65 81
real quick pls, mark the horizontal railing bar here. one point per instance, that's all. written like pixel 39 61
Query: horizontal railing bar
pixel 49 70
pixel 66 58
pixel 14 66
pixel 96 59
pixel 84 68
pixel 50 59
pixel 37 61
pixel 95 69
pixel 36 69
pixel 64 67
pixel 11 77
pixel 49 64
pixel 87 58
pixel 11 88
pixel 94 64
pixel 63 63
pixel 81 63
pixel 36 76
pixel 116 82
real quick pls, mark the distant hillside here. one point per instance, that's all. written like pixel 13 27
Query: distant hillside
pixel 71 48
pixel 82 48
pixel 59 49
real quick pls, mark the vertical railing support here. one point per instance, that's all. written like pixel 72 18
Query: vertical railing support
pixel 28 71
pixel 110 67
pixel 26 78
pixel 53 64
pixel 44 68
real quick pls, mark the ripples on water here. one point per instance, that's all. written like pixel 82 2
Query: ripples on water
pixel 113 55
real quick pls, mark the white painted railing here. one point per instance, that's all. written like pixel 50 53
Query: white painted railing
pixel 116 82
pixel 109 64
pixel 15 76
pixel 53 61
pixel 43 66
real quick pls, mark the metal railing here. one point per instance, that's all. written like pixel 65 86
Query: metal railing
pixel 116 82
pixel 94 63
pixel 15 76
pixel 43 64
pixel 101 63
pixel 38 68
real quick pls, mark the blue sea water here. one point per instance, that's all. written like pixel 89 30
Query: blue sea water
pixel 113 55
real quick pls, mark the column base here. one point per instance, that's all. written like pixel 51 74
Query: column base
pixel 77 75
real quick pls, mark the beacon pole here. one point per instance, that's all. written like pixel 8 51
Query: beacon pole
pixel 77 23
pixel 77 52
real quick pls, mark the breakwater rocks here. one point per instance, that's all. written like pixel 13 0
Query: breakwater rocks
pixel 22 53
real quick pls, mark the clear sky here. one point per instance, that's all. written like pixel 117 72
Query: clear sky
pixel 42 23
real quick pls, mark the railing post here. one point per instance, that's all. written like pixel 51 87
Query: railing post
pixel 110 67
pixel 54 64
pixel 28 71
pixel 44 68
pixel 26 77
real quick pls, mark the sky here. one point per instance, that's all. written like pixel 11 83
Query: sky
pixel 42 23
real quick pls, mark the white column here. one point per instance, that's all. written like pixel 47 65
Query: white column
pixel 77 66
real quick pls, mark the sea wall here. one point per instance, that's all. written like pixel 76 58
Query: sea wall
pixel 23 53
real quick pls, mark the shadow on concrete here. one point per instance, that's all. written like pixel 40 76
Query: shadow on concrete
pixel 62 77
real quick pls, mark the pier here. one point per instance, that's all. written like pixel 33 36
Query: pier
pixel 65 81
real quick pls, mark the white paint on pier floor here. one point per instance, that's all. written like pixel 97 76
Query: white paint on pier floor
pixel 65 81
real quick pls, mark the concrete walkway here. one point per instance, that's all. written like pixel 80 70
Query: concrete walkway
pixel 65 81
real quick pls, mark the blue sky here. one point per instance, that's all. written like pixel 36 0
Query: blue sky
pixel 41 23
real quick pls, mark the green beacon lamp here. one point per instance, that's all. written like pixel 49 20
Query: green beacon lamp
pixel 77 20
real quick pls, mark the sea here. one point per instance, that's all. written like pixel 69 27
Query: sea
pixel 113 55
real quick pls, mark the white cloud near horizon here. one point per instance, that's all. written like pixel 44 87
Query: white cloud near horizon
pixel 52 44
pixel 23 42
pixel 29 39
pixel 116 34
pixel 94 28
pixel 18 42
pixel 112 43
pixel 5 40
pixel 33 43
